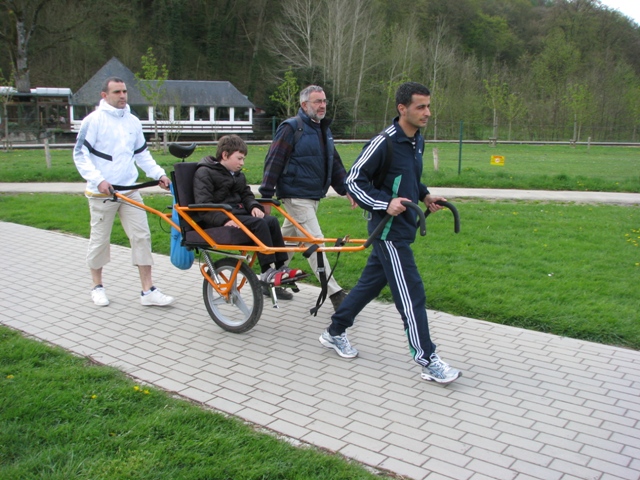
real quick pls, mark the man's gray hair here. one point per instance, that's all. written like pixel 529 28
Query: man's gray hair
pixel 306 93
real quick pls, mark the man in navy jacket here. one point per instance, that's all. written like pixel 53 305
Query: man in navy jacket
pixel 392 261
pixel 299 171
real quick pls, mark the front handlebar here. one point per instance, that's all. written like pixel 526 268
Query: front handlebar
pixel 421 220
pixel 454 210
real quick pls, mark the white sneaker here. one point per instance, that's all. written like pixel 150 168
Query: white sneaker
pixel 157 298
pixel 99 296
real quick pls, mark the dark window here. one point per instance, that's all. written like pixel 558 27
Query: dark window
pixel 181 113
pixel 81 111
pixel 202 114
pixel 162 113
pixel 222 114
pixel 242 114
pixel 140 111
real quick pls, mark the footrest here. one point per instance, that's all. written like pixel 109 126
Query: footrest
pixel 294 279
pixel 286 282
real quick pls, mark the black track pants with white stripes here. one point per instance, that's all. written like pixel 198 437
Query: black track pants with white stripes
pixel 391 263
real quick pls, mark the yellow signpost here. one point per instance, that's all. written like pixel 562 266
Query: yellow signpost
pixel 497 160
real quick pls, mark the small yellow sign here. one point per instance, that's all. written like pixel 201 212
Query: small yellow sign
pixel 497 160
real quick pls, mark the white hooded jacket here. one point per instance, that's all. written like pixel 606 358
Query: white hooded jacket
pixel 109 145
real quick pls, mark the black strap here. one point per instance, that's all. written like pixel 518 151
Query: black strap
pixel 299 130
pixel 381 174
pixel 324 280
pixel 297 134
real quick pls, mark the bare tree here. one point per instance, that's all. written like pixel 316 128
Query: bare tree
pixel 295 32
pixel 21 19
pixel 333 41
pixel 24 15
pixel 6 92
pixel 344 44
pixel 366 35
pixel 439 56
pixel 513 107
pixel 496 91
pixel 335 35
pixel 633 98
pixel 402 61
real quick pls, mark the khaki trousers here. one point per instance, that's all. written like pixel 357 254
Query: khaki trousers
pixel 303 211
pixel 134 222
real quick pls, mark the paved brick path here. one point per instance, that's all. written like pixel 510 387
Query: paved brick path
pixel 529 406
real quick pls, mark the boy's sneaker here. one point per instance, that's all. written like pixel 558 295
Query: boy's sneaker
pixel 99 296
pixel 340 343
pixel 267 276
pixel 156 298
pixel 438 371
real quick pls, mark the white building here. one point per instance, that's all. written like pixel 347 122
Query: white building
pixel 185 106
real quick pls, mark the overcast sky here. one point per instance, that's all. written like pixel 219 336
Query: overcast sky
pixel 630 8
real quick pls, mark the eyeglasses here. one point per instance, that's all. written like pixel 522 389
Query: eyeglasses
pixel 320 102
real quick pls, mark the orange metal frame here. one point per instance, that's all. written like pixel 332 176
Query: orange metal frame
pixel 225 287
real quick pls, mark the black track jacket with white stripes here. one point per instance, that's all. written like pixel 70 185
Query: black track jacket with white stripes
pixel 402 180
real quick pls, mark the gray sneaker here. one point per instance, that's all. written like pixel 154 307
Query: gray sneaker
pixel 438 371
pixel 340 343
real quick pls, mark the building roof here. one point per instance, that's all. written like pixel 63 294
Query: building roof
pixel 38 91
pixel 51 91
pixel 176 92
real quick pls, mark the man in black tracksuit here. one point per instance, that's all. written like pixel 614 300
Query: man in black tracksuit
pixel 392 261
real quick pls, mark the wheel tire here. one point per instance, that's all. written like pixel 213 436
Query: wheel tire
pixel 242 311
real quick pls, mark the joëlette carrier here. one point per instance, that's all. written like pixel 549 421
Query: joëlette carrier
pixel 231 289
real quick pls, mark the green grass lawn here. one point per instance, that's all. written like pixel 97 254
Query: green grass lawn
pixel 541 167
pixel 63 418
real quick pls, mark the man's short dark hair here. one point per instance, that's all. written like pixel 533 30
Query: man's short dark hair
pixel 105 84
pixel 230 144
pixel 407 90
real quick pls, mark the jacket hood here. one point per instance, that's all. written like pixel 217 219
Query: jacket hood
pixel 116 112
pixel 208 161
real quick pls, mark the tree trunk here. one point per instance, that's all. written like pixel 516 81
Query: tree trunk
pixel 23 83
pixel 7 142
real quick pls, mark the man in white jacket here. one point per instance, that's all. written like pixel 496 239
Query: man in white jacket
pixel 109 146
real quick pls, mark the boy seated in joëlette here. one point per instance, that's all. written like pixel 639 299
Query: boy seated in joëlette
pixel 220 180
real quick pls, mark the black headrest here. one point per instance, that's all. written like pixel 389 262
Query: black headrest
pixel 183 177
pixel 181 151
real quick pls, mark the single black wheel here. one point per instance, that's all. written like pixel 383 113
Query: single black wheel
pixel 242 310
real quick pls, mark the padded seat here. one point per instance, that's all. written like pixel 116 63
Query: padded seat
pixel 220 235
pixel 182 177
